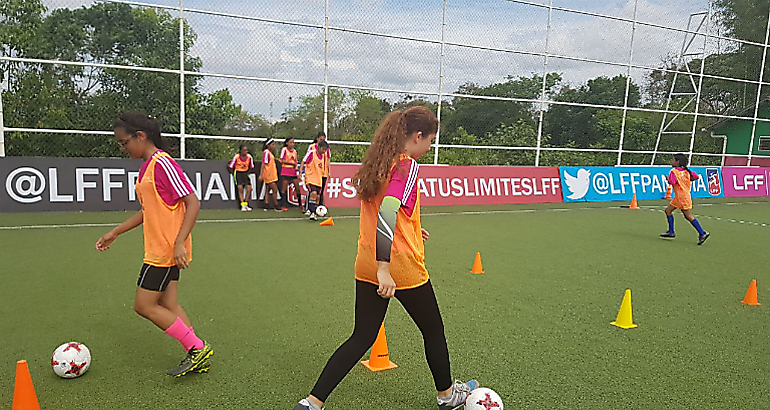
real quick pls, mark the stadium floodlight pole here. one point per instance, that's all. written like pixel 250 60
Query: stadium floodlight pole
pixel 699 91
pixel 440 83
pixel 759 90
pixel 628 86
pixel 182 147
pixel 542 91
pixel 326 69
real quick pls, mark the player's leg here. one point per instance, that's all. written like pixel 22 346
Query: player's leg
pixel 198 351
pixel 322 191
pixel 284 192
pixel 421 305
pixel 312 202
pixel 702 234
pixel 369 312
pixel 295 182
pixel 247 194
pixel 670 218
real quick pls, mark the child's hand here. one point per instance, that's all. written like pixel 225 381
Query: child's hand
pixel 425 235
pixel 180 256
pixel 387 287
pixel 105 241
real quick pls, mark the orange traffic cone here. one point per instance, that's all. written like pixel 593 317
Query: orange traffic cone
pixel 379 359
pixel 751 294
pixel 477 268
pixel 328 222
pixel 24 397
pixel 668 193
pixel 634 204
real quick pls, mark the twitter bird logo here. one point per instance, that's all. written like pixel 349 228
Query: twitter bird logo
pixel 578 185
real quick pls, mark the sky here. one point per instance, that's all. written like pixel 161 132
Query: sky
pixel 284 52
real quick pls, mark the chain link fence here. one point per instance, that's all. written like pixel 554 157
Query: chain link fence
pixel 541 82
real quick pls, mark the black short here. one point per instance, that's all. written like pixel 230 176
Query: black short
pixel 288 178
pixel 313 188
pixel 156 278
pixel 242 178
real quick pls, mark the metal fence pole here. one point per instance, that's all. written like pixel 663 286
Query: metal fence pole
pixel 699 91
pixel 440 83
pixel 182 147
pixel 542 92
pixel 2 126
pixel 326 69
pixel 628 87
pixel 759 89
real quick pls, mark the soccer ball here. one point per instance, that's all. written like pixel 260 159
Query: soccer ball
pixel 321 211
pixel 71 360
pixel 483 399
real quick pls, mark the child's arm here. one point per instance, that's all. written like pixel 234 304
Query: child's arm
pixel 192 206
pixel 672 178
pixel 106 240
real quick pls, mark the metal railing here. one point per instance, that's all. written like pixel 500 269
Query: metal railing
pixel 543 103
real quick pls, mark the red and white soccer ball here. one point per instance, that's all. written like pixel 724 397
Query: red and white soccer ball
pixel 483 399
pixel 321 211
pixel 71 360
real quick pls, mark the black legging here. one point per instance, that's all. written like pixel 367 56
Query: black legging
pixel 323 190
pixel 420 303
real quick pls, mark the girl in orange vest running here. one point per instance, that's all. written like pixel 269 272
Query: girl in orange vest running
pixel 680 178
pixel 391 257
pixel 269 176
pixel 168 214
pixel 241 166
pixel 289 173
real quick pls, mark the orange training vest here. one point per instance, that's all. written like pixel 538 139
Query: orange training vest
pixel 407 259
pixel 161 222
pixel 269 173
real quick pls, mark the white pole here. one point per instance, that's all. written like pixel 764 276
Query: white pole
pixel 759 91
pixel 2 126
pixel 542 91
pixel 628 87
pixel 326 69
pixel 700 86
pixel 440 84
pixel 182 148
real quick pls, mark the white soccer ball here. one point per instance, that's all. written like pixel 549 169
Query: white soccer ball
pixel 321 211
pixel 71 360
pixel 483 399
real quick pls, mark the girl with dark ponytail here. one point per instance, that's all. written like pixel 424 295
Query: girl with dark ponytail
pixel 680 178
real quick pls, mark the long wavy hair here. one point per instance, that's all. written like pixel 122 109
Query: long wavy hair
pixel 388 143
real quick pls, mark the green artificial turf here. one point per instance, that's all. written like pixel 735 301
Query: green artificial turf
pixel 275 298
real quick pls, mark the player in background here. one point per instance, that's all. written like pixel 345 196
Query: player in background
pixel 241 166
pixel 680 178
pixel 321 136
pixel 168 214
pixel 313 165
pixel 391 257
pixel 269 176
pixel 289 173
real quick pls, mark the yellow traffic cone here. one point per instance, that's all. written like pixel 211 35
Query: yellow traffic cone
pixel 625 319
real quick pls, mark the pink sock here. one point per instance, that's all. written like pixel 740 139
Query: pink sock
pixel 182 333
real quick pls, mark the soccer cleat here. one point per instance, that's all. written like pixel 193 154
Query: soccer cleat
pixel 243 209
pixel 284 209
pixel 702 238
pixel 248 208
pixel 307 213
pixel 313 217
pixel 668 235
pixel 304 404
pixel 460 393
pixel 279 210
pixel 194 361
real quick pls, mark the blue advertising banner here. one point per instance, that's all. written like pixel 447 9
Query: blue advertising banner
pixel 593 184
